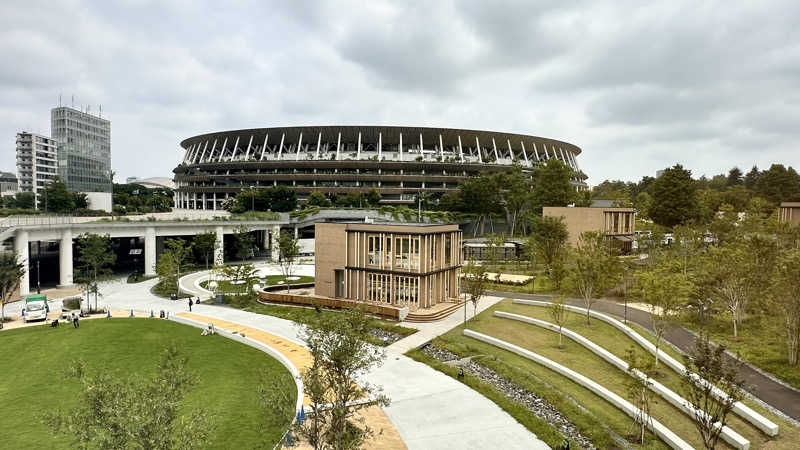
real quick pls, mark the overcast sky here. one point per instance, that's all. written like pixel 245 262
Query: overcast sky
pixel 709 84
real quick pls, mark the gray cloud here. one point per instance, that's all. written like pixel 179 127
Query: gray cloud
pixel 637 86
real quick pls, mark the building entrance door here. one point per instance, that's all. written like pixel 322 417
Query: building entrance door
pixel 338 278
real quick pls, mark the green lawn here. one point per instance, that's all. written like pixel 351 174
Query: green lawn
pixel 34 360
pixel 762 342
pixel 618 342
pixel 270 280
pixel 576 357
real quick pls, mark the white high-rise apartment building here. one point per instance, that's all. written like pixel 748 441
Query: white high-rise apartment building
pixel 37 164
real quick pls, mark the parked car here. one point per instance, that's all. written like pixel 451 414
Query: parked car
pixel 36 308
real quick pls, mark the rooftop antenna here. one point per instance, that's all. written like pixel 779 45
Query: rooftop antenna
pixel 59 100
pixel 101 112
pixel 73 101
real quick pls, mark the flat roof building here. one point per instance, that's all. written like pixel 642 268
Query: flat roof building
pixel 9 185
pixel 37 164
pixel 790 212
pixel 84 149
pixel 617 223
pixel 413 265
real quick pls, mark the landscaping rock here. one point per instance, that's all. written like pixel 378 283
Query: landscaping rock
pixel 386 336
pixel 535 404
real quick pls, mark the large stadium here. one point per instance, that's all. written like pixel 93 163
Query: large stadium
pixel 398 162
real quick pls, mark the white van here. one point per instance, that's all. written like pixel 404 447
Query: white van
pixel 35 310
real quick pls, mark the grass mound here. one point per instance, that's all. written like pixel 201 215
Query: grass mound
pixel 572 355
pixel 34 360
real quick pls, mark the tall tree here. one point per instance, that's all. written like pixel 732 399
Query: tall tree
pixel 785 299
pixel 21 200
pixel 552 185
pixel 341 356
pixel 373 197
pixel 288 253
pixel 558 314
pixel 475 283
pixel 243 241
pixel 480 195
pixel 549 239
pixel 95 259
pixel 778 184
pixel 118 411
pixel 674 197
pixel 282 199
pixel 638 386
pixel 664 288
pixel 709 368
pixel 735 177
pixel 204 243
pixel 514 192
pixel 727 277
pixel 174 260
pixel 317 198
pixel 11 271
pixel 56 198
pixel 594 268
pixel 751 178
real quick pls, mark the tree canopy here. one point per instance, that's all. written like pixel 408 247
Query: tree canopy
pixel 674 197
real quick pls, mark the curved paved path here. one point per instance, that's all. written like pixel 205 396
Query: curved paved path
pixel 783 398
pixel 429 409
pixel 190 283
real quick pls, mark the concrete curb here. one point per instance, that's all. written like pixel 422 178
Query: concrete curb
pixel 664 433
pixel 730 436
pixel 298 380
pixel 762 423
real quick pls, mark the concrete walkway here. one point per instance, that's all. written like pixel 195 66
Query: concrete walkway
pixel 429 409
pixel 428 331
pixel 777 395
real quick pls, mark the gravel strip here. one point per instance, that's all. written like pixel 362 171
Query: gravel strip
pixel 535 404
pixel 387 337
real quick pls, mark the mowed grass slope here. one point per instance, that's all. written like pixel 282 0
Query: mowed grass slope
pixel 618 343
pixel 574 356
pixel 228 374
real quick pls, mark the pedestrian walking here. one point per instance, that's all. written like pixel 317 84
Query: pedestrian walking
pixel 75 323
pixel 190 304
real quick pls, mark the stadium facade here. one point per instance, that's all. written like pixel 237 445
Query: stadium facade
pixel 398 162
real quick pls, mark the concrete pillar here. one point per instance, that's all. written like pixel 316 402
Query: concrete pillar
pixel 219 246
pixel 276 232
pixel 296 233
pixel 21 249
pixel 150 251
pixel 265 237
pixel 65 259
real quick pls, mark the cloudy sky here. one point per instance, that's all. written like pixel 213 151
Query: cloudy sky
pixel 706 84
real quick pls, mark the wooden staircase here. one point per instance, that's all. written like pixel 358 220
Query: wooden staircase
pixel 438 315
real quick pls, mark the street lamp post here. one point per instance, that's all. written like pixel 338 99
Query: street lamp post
pixel 38 257
pixel 252 199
